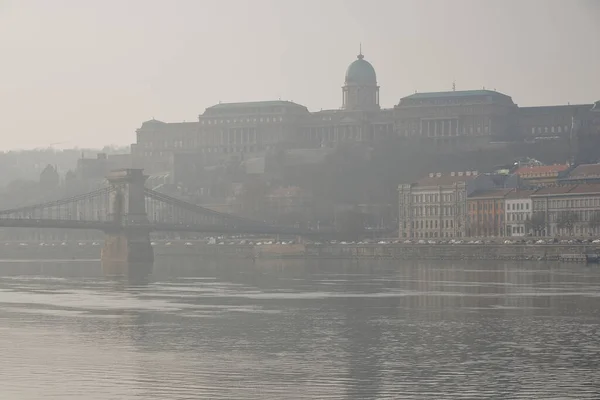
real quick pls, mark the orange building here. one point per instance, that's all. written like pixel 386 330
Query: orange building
pixel 542 175
pixel 485 211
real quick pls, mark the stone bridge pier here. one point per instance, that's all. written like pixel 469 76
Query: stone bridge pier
pixel 127 251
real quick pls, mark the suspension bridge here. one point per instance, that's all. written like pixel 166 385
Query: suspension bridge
pixel 126 211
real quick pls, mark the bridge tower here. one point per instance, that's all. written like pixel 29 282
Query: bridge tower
pixel 127 250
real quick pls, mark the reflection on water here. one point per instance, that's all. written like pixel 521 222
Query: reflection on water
pixel 300 330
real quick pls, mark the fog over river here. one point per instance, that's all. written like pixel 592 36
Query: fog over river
pixel 300 330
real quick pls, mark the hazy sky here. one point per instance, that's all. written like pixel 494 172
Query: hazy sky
pixel 88 73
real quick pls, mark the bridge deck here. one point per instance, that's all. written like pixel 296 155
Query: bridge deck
pixel 162 227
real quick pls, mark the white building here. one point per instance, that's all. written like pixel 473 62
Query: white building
pixel 519 209
pixel 569 210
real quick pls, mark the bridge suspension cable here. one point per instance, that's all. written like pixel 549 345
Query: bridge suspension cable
pixel 164 208
pixel 57 209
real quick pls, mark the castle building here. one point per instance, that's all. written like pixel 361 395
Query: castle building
pixel 453 119
pixel 456 118
pixel 360 91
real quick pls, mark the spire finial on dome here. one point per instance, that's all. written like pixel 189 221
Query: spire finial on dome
pixel 360 54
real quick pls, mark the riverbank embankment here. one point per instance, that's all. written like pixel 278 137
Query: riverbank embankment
pixel 512 252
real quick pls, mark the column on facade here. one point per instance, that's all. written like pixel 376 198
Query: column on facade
pixel 440 206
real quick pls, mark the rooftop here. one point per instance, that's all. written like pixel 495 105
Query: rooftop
pixel 447 178
pixel 542 169
pixel 361 72
pixel 585 188
pixel 554 108
pixel 550 190
pixel 153 122
pixel 457 93
pixel 255 104
pixel 585 171
pixel 520 194
pixel 156 125
pixel 568 189
pixel 490 194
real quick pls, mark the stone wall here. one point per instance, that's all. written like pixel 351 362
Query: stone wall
pixel 397 251
pixel 451 252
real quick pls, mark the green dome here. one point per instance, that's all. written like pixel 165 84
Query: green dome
pixel 361 72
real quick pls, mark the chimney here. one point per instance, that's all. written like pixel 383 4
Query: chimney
pixel 431 174
pixel 452 173
pixel 439 174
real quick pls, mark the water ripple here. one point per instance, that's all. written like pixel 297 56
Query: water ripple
pixel 398 332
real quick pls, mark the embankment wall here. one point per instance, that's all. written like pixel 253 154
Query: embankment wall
pixel 393 251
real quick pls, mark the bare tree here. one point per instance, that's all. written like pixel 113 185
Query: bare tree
pixel 594 221
pixel 567 220
pixel 528 225
pixel 537 223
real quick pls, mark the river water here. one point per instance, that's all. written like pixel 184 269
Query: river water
pixel 300 330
